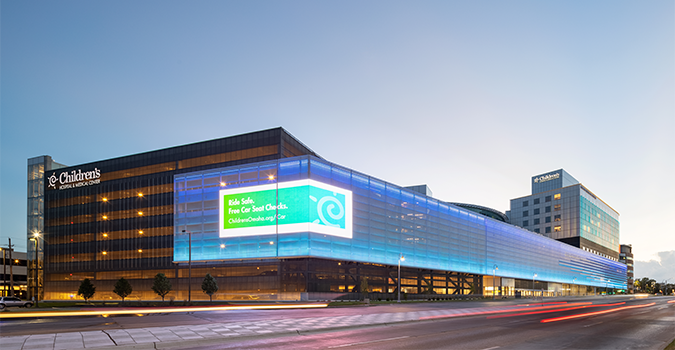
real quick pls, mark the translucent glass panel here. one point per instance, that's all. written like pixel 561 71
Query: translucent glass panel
pixel 389 222
pixel 597 225
pixel 196 212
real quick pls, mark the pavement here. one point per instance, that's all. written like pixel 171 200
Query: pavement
pixel 204 334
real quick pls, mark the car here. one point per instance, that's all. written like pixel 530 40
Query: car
pixel 13 301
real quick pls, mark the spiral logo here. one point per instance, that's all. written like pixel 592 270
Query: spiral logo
pixel 331 206
pixel 52 180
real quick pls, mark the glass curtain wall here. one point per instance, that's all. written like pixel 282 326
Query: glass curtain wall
pixel 389 222
pixel 35 221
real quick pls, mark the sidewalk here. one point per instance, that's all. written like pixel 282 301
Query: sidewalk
pixel 167 337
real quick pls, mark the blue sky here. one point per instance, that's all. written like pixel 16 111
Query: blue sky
pixel 472 97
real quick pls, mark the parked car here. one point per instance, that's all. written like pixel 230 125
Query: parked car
pixel 13 301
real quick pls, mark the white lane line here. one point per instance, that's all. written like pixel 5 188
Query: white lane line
pixel 367 342
pixel 593 324
pixel 494 347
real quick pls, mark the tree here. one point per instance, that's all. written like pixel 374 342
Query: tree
pixel 429 287
pixel 209 286
pixel 161 285
pixel 646 285
pixel 364 287
pixel 122 288
pixel 86 290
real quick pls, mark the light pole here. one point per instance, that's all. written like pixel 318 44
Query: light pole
pixel 35 269
pixel 189 265
pixel 400 258
pixel 533 277
pixel 494 272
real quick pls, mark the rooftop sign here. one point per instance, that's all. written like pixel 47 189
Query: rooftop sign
pixel 74 178
pixel 547 177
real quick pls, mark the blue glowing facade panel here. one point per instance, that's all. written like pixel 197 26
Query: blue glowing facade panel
pixel 388 221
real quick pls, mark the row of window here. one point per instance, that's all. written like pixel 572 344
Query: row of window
pixel 599 253
pixel 546 199
pixel 547 229
pixel 537 220
pixel 537 211
pixel 138 192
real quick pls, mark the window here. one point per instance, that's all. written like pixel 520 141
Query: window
pixel 548 198
pixel 556 218
pixel 548 209
pixel 557 228
pixel 548 219
pixel 525 213
pixel 536 201
pixel 525 203
pixel 536 211
pixel 556 207
pixel 548 229
pixel 526 223
pixel 536 230
pixel 556 196
pixel 536 222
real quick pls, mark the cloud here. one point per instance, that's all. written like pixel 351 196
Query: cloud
pixel 659 270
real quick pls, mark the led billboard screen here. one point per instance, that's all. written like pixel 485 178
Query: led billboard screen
pixel 286 207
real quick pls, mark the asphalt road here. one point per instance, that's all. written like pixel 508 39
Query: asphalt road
pixel 651 327
pixel 90 323
pixel 637 326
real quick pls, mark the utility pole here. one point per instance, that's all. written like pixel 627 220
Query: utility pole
pixel 11 272
pixel 4 273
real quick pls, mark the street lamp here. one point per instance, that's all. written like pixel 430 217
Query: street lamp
pixel 189 265
pixel 400 258
pixel 533 277
pixel 494 272
pixel 36 235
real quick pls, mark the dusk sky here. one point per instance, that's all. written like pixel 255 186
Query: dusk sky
pixel 470 97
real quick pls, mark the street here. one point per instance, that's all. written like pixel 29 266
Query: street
pixel 575 323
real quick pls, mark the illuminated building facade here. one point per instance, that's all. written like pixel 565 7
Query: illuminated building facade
pixel 563 209
pixel 270 219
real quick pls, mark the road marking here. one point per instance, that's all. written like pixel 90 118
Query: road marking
pixel 494 347
pixel 367 342
pixel 594 324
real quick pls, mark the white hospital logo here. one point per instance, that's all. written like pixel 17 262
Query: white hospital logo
pixel 545 178
pixel 76 178
pixel 52 180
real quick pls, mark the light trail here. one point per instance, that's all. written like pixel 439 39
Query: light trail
pixel 499 311
pixel 549 303
pixel 671 302
pixel 552 310
pixel 140 311
pixel 594 313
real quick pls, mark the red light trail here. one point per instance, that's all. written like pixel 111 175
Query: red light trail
pixel 594 313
